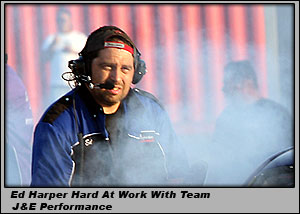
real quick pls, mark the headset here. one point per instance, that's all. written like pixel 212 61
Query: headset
pixel 81 67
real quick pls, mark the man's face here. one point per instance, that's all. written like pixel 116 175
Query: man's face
pixel 238 92
pixel 64 22
pixel 232 88
pixel 114 65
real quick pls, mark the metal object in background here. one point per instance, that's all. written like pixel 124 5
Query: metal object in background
pixel 276 171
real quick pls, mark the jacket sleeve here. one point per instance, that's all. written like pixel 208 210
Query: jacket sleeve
pixel 177 161
pixel 52 164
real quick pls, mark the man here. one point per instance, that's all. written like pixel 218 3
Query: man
pixel 249 130
pixel 103 132
pixel 18 130
pixel 59 48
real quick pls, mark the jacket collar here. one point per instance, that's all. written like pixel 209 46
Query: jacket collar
pixel 129 104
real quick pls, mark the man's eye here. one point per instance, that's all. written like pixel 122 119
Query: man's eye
pixel 126 68
pixel 106 67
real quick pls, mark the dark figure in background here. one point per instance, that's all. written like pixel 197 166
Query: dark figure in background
pixel 103 132
pixel 18 131
pixel 249 130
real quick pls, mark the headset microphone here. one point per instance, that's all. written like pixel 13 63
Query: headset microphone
pixel 107 85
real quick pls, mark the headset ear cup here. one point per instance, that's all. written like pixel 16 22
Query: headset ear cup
pixel 78 68
pixel 139 72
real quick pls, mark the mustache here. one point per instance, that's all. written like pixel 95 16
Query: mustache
pixel 106 85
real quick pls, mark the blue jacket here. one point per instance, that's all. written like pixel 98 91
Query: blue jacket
pixel 142 149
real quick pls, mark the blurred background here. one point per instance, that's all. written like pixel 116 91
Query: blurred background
pixel 185 47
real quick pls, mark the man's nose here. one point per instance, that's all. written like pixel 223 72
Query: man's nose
pixel 115 74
